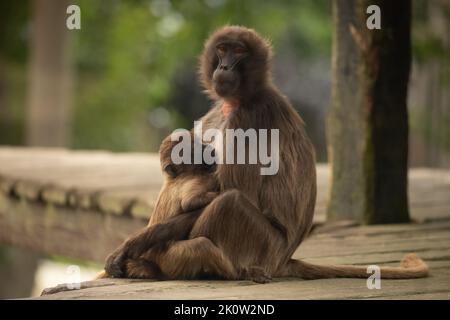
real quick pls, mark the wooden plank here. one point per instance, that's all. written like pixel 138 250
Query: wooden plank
pixel 420 296
pixel 63 231
pixel 58 176
pixel 82 204
pixel 28 190
pixel 382 230
pixel 377 258
pixel 77 178
pixel 365 252
pixel 55 195
pixel 277 289
pixel 6 184
pixel 224 286
pixel 430 212
pixel 311 249
pixel 117 201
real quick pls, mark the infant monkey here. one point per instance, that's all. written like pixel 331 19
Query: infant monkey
pixel 187 186
pixel 187 189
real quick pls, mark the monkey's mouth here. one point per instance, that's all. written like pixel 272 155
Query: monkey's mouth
pixel 225 83
pixel 225 89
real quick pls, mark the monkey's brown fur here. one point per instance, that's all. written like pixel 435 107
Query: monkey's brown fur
pixel 186 190
pixel 187 186
pixel 252 228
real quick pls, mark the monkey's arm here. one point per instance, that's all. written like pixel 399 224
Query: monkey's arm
pixel 197 201
pixel 175 228
pixel 155 237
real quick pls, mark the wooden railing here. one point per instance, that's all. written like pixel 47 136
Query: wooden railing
pixel 82 204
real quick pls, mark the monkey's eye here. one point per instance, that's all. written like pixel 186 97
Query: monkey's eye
pixel 240 50
pixel 221 49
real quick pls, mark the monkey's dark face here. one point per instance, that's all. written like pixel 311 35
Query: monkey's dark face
pixel 235 64
pixel 172 170
pixel 227 77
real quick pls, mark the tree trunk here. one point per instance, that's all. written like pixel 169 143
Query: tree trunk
pixel 5 114
pixel 50 76
pixel 47 118
pixel 367 120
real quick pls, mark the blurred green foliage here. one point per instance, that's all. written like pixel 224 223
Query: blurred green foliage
pixel 14 17
pixel 135 60
pixel 128 52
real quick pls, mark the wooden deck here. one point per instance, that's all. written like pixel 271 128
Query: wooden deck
pixel 82 204
pixel 380 245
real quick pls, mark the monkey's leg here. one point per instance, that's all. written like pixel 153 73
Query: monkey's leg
pixel 242 232
pixel 142 269
pixel 137 268
pixel 191 258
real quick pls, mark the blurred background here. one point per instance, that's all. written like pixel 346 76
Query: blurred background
pixel 131 70
pixel 128 77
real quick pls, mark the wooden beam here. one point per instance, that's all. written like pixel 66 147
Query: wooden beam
pixel 71 232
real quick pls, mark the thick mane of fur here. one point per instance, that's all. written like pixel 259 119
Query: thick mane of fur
pixel 257 68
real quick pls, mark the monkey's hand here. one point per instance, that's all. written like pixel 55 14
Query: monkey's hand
pixel 174 229
pixel 115 262
pixel 131 248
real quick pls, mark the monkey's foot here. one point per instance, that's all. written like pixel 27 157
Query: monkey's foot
pixel 256 274
pixel 114 265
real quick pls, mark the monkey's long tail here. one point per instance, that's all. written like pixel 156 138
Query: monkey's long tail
pixel 101 275
pixel 410 267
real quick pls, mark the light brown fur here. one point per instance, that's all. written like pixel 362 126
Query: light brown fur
pixel 186 190
pixel 192 188
pixel 252 228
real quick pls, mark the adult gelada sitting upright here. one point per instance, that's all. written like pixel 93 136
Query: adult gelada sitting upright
pixel 252 228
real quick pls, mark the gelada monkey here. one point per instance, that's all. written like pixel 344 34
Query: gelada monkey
pixel 187 188
pixel 252 228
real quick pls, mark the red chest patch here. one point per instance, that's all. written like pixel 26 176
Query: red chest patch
pixel 228 108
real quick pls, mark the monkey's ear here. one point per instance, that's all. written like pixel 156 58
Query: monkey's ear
pixel 170 170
